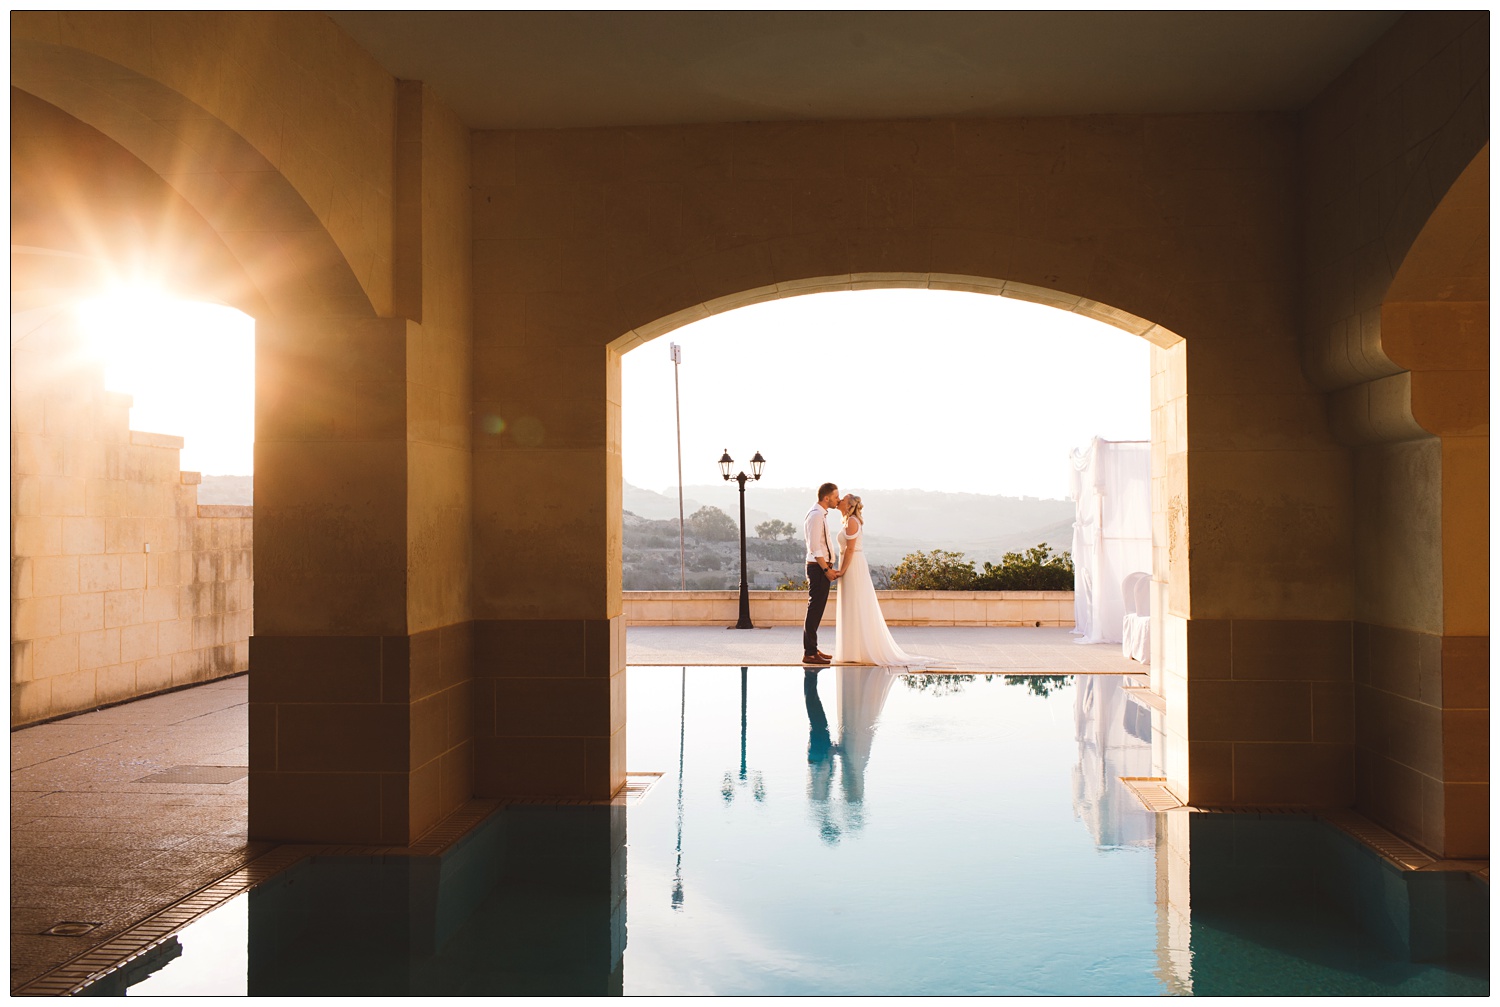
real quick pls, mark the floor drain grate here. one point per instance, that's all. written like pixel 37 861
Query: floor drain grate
pixel 198 774
pixel 637 785
pixel 70 928
pixel 1152 792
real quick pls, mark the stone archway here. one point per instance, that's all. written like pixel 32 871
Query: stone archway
pixel 598 643
pixel 361 417
pixel 1421 439
pixel 584 235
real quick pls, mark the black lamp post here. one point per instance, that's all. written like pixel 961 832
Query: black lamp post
pixel 756 464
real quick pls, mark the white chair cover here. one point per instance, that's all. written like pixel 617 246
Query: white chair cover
pixel 1111 483
pixel 1135 629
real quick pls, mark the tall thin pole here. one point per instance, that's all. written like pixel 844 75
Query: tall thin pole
pixel 681 521
pixel 744 621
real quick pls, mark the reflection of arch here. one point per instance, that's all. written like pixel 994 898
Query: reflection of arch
pixel 1155 334
pixel 293 263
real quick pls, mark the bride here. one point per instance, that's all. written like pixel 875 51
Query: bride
pixel 862 635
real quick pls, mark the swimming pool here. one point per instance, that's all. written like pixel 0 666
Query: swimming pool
pixel 849 831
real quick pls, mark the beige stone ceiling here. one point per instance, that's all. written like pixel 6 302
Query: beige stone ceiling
pixel 543 69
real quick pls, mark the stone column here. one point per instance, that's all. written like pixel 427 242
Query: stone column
pixel 549 633
pixel 330 715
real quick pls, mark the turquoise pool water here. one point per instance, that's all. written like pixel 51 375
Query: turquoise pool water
pixel 852 831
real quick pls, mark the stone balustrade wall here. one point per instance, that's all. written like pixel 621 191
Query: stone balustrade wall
pixel 901 608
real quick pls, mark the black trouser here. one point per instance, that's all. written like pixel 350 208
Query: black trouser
pixel 817 600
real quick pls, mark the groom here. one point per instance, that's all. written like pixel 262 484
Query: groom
pixel 820 571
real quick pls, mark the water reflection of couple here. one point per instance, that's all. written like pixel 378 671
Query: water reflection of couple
pixel 861 695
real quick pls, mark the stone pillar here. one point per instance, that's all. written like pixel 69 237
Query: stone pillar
pixel 330 709
pixel 549 633
pixel 1269 640
pixel 360 695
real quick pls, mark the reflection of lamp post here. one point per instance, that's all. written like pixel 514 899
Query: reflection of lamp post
pixel 725 464
pixel 753 778
pixel 677 894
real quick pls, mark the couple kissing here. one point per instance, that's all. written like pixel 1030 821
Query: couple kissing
pixel 861 636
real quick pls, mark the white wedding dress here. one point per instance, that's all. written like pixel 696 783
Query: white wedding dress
pixel 862 636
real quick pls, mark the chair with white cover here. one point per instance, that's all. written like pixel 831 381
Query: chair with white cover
pixel 1135 631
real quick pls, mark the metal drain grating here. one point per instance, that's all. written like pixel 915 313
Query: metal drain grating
pixel 1152 792
pixel 198 774
pixel 636 786
pixel 70 928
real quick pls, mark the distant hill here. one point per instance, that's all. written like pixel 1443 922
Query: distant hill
pixel 897 521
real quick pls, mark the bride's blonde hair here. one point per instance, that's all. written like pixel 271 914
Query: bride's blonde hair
pixel 856 508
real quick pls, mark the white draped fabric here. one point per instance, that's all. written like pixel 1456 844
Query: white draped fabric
pixel 1111 482
pixel 1115 739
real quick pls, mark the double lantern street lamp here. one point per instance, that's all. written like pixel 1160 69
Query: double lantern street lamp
pixel 756 464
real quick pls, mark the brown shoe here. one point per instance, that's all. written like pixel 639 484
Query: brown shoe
pixel 816 659
pixel 826 657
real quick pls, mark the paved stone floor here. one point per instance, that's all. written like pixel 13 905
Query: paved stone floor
pixel 1012 650
pixel 100 835
pixel 95 840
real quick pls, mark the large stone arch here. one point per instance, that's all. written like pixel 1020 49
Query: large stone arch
pixel 1379 148
pixel 292 265
pixel 361 504
pixel 236 93
pixel 1421 448
pixel 584 235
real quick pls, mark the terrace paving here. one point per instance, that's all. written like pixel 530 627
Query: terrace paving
pixel 1005 649
pixel 100 835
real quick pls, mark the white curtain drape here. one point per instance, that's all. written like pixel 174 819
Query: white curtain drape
pixel 1111 483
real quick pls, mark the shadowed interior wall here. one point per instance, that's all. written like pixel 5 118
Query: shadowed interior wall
pixel 281 137
pixel 1256 251
pixel 1396 248
pixel 1188 221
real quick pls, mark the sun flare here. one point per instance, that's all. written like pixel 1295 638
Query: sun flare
pixel 190 367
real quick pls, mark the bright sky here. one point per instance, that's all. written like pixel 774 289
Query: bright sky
pixel 190 368
pixel 886 389
pixel 926 389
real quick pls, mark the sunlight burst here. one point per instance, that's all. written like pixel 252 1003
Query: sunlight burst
pixel 190 367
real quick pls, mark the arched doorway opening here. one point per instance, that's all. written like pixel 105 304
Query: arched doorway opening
pixel 127 583
pixel 1168 443
pixel 159 178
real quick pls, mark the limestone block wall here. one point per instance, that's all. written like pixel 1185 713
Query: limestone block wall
pixel 121 585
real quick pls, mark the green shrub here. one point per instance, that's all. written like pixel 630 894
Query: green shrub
pixel 1034 570
pixel 1037 569
pixel 938 570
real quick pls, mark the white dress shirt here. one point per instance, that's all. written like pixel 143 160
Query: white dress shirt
pixel 815 531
